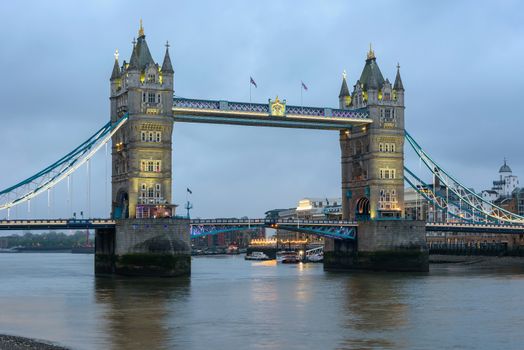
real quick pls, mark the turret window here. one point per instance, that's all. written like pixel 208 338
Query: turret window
pixel 151 136
pixel 386 147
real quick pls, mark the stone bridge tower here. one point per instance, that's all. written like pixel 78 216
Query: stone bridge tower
pixel 147 239
pixel 373 156
pixel 373 181
pixel 141 154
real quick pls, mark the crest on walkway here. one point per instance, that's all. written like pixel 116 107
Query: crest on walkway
pixel 277 107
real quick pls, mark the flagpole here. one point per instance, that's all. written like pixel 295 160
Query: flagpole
pixel 301 88
pixel 249 90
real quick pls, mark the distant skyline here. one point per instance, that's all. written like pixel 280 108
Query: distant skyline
pixel 461 65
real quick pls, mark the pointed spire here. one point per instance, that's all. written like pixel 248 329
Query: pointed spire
pixel 167 67
pixel 344 91
pixel 141 30
pixel 133 62
pixel 116 68
pixel 398 81
pixel 371 53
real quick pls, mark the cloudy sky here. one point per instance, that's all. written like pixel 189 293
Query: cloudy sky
pixel 461 64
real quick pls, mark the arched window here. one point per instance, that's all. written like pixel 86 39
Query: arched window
pixel 381 147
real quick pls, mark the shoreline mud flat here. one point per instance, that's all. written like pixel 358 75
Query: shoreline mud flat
pixel 12 342
pixel 476 260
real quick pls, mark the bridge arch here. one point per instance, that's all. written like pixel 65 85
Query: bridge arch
pixel 121 206
pixel 362 209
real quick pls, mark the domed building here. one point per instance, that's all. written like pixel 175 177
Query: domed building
pixel 504 186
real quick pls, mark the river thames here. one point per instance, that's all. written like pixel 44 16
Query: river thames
pixel 229 303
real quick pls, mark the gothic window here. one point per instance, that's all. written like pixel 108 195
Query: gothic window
pixel 150 192
pixel 143 136
pixel 387 147
pixel 151 78
pixel 392 147
pixel 386 173
pixel 158 98
pixel 388 199
pixel 157 166
pixel 158 136
pixel 143 97
pixel 151 97
pixel 150 138
pixel 387 96
pixel 381 147
pixel 387 114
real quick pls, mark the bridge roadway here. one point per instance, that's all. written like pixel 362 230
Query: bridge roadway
pixel 72 224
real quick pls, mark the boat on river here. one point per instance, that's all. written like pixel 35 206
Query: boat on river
pixel 287 257
pixel 258 256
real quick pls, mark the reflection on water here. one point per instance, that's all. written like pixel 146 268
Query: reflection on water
pixel 136 311
pixel 229 303
pixel 375 307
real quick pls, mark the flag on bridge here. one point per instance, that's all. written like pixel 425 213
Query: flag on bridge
pixel 252 81
pixel 188 190
pixel 304 85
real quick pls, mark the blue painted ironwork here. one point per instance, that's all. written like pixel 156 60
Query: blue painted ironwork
pixel 466 196
pixel 56 224
pixel 335 232
pixel 337 229
pixel 54 173
pixel 208 230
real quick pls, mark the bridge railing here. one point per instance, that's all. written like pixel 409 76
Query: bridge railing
pixel 272 221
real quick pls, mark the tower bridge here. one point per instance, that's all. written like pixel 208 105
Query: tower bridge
pixel 369 122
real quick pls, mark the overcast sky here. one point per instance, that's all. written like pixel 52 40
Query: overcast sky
pixel 462 65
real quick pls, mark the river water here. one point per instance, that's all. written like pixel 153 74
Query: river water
pixel 229 303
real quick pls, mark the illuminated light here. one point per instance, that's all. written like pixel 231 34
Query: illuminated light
pixel 347 101
pixel 380 95
pixel 363 128
pixel 347 132
pixel 142 77
pixel 160 78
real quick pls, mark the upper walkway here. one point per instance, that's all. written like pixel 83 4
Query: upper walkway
pixel 275 113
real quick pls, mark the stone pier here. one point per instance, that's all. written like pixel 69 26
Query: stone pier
pixel 144 247
pixel 382 245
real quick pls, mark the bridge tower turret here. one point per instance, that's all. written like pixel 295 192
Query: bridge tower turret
pixel 141 154
pixel 373 156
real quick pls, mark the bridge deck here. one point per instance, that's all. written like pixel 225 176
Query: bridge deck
pixel 257 114
pixel 75 224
